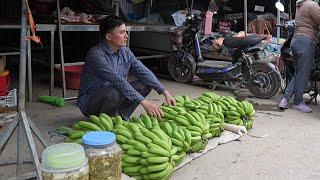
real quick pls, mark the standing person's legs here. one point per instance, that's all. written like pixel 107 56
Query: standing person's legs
pixel 127 107
pixel 304 65
pixel 303 70
pixel 291 86
pixel 289 91
pixel 105 100
pixel 303 50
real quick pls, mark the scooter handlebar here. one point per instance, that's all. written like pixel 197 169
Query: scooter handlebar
pixel 280 25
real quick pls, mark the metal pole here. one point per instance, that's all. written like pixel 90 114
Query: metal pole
pixel 4 138
pixel 64 89
pixel 278 30
pixel 22 84
pixel 22 121
pixel 290 10
pixel 29 68
pixel 20 143
pixel 117 4
pixel 31 145
pixel 51 63
pixel 245 17
pixel 22 67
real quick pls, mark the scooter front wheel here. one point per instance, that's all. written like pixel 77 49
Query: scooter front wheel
pixel 181 66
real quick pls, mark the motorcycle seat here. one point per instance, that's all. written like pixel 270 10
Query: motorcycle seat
pixel 242 42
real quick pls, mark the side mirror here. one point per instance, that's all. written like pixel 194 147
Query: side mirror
pixel 280 6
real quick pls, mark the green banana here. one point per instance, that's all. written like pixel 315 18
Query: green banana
pixel 132 169
pixel 137 144
pixel 149 134
pixel 160 152
pixel 160 174
pixel 177 136
pixel 195 128
pixel 118 120
pixel 182 121
pixel 159 133
pixel 96 120
pixel 157 160
pixel 143 139
pixel 126 147
pixel 146 120
pixel 108 118
pixel 168 128
pixel 177 143
pixel 124 133
pixel 188 136
pixel 133 152
pixel 157 167
pixel 130 159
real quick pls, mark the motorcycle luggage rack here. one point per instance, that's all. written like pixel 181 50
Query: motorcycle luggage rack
pixel 314 94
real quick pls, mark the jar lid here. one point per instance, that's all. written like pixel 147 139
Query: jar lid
pixel 63 156
pixel 98 138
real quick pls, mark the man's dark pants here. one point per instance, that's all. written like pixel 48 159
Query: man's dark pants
pixel 304 49
pixel 111 101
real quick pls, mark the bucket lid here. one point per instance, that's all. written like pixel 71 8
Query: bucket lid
pixel 63 156
pixel 99 138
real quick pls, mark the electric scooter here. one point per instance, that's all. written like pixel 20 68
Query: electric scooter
pixel 261 78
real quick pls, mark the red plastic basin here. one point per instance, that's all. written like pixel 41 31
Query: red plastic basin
pixel 73 74
pixel 4 83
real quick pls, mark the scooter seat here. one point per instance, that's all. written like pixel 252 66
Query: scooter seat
pixel 242 42
pixel 213 64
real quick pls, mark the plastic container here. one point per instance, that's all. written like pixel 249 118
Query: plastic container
pixel 104 155
pixel 4 83
pixel 73 75
pixel 9 100
pixel 65 161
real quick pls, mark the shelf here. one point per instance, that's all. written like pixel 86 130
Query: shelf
pixel 6 51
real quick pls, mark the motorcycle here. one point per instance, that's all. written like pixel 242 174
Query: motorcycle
pixel 260 77
pixel 286 65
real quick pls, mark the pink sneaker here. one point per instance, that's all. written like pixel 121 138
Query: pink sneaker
pixel 284 104
pixel 302 107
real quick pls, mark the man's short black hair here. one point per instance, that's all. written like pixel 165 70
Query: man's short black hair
pixel 108 24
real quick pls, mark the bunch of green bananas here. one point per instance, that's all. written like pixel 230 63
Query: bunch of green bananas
pixel 145 121
pixel 237 112
pixel 101 123
pixel 204 99
pixel 148 153
pixel 217 125
pixel 152 148
pixel 181 138
pixel 192 121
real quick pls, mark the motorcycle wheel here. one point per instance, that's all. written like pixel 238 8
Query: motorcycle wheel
pixel 269 81
pixel 181 66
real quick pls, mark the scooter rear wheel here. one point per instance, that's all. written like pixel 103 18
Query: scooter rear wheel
pixel 181 66
pixel 269 81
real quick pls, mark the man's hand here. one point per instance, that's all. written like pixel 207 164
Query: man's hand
pixel 152 109
pixel 170 100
